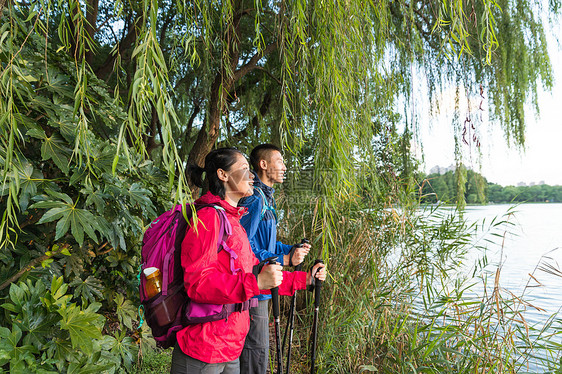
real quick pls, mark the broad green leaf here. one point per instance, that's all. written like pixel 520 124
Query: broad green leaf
pixel 55 148
pixel 91 368
pixel 90 289
pixel 46 263
pixel 60 349
pixel 4 356
pixel 58 287
pixel 4 338
pixel 74 264
pixel 125 348
pixel 36 133
pixel 140 195
pixel 10 343
pixel 78 220
pixel 52 214
pixel 17 295
pixel 126 310
pixel 83 220
pixel 97 198
pixel 64 224
pixel 78 176
pixel 46 204
pixel 9 307
pixel 82 326
pixel 103 159
pixel 61 195
pixel 104 227
pixel 38 326
pixel 68 130
pixel 29 178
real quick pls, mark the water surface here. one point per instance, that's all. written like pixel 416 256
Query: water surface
pixel 532 244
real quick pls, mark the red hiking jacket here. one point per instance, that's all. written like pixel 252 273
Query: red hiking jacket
pixel 208 279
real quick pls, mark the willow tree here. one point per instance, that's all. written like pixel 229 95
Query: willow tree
pixel 324 74
pixel 97 98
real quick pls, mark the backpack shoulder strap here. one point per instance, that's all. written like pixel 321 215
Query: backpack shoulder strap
pixel 225 230
pixel 266 205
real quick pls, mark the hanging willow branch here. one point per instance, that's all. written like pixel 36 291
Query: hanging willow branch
pixel 339 76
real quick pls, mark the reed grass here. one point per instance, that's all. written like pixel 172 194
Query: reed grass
pixel 396 300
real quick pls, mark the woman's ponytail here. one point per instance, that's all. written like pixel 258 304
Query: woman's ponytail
pixel 195 174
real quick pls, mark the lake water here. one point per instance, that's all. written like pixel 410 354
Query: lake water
pixel 532 244
pixel 528 251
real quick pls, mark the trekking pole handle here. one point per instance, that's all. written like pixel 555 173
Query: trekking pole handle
pixel 317 286
pixel 303 241
pixel 274 292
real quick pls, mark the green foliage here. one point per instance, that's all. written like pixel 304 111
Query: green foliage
pixel 442 188
pixel 49 333
pixel 241 72
pixel 541 193
pixel 70 211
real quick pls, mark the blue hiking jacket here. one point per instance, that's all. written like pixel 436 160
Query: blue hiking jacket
pixel 260 223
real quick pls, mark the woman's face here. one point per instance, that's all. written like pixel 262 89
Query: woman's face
pixel 239 181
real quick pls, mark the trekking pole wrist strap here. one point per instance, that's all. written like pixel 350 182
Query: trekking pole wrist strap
pixel 292 252
pixel 314 282
pixel 256 269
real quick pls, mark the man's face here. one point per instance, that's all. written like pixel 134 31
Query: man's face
pixel 275 167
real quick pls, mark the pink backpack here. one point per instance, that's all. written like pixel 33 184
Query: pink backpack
pixel 171 310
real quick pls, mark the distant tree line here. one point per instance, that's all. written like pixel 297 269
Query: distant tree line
pixel 477 190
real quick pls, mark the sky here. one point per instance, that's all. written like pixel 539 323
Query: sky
pixel 541 161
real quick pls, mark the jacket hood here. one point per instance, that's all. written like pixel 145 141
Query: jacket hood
pixel 209 198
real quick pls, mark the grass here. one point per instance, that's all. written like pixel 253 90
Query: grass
pixel 154 362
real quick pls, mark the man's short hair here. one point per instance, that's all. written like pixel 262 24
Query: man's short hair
pixel 262 152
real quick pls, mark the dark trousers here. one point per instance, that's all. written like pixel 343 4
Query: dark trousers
pixel 184 364
pixel 255 355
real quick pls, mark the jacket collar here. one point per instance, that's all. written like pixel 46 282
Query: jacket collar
pixel 209 198
pixel 268 191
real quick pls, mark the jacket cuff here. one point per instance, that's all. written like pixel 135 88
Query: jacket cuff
pixel 300 280
pixel 287 248
pixel 251 283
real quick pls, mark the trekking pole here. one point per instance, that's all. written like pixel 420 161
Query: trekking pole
pixel 289 328
pixel 317 287
pixel 275 298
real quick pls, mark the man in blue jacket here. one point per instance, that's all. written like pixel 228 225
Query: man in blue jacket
pixel 260 224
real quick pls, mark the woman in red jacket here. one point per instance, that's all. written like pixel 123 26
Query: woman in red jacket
pixel 214 347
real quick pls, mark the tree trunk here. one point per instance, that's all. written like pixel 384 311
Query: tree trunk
pixel 209 132
pixel 223 83
pixel 128 41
